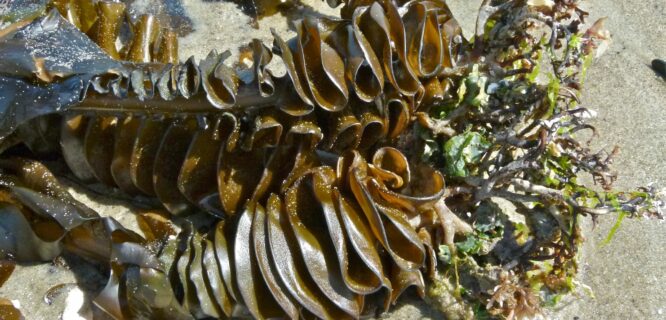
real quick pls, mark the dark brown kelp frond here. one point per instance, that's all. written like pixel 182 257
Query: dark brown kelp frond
pixel 377 45
pixel 240 263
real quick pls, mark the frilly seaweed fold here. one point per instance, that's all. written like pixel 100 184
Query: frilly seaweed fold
pixel 331 64
pixel 313 213
pixel 311 248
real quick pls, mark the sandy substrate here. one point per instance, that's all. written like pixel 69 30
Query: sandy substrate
pixel 626 276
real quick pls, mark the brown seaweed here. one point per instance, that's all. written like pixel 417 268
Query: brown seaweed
pixel 317 203
pixel 8 311
pixel 279 166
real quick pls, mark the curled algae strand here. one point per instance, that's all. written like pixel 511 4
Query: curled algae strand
pixel 56 291
pixel 392 153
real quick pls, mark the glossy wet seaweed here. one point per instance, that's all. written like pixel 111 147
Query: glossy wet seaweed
pixel 325 188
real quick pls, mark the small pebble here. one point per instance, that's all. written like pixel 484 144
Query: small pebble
pixel 659 66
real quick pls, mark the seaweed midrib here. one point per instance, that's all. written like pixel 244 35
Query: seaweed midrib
pixel 156 105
